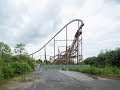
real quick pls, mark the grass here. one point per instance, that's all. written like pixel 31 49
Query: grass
pixel 107 72
pixel 17 79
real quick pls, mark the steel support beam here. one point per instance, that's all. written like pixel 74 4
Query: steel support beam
pixel 66 48
pixel 54 48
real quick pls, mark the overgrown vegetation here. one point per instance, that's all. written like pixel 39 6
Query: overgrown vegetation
pixel 107 71
pixel 14 64
pixel 106 64
pixel 108 57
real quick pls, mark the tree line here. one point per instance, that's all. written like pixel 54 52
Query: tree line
pixel 108 57
pixel 14 62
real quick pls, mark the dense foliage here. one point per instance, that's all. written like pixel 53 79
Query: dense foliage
pixel 14 64
pixel 109 58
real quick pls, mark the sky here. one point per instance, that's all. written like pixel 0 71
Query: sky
pixel 34 22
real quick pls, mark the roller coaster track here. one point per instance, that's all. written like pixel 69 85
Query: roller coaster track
pixel 72 52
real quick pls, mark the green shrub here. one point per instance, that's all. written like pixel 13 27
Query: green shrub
pixel 28 60
pixel 15 59
pixel 13 65
pixel 1 74
pixel 7 70
pixel 31 64
pixel 21 68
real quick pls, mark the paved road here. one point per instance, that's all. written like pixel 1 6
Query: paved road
pixel 55 80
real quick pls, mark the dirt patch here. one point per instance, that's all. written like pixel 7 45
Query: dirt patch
pixel 21 82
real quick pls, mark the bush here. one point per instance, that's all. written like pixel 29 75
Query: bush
pixel 21 68
pixel 15 59
pixel 31 64
pixel 7 70
pixel 13 65
pixel 1 74
pixel 28 60
pixel 16 66
pixel 91 60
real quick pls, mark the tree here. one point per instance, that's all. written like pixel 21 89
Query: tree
pixel 20 49
pixel 91 60
pixel 113 57
pixel 4 49
pixel 101 58
pixel 108 57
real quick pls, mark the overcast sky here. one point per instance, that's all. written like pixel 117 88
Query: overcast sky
pixel 34 22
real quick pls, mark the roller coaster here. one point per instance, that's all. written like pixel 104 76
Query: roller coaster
pixel 72 53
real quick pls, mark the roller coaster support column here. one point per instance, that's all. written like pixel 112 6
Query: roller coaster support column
pixel 77 50
pixel 45 53
pixel 81 46
pixel 78 53
pixel 54 48
pixel 66 48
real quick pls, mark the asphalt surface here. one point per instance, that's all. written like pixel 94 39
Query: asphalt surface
pixel 52 79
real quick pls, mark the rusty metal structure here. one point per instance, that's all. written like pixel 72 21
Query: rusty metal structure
pixel 72 53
